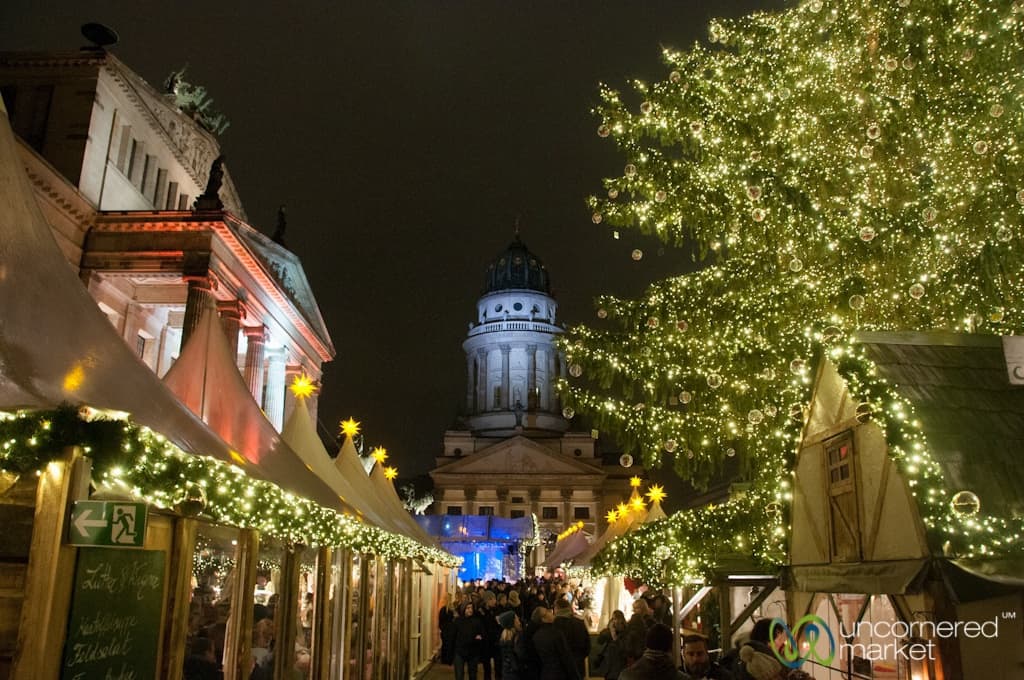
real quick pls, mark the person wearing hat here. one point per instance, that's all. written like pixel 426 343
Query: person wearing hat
pixel 469 635
pixel 656 662
pixel 509 645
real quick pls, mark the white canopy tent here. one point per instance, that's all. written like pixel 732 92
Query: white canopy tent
pixel 57 346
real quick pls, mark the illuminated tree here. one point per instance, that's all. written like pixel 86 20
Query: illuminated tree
pixel 840 166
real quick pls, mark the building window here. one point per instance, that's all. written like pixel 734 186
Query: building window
pixel 183 202
pixel 485 510
pixel 549 512
pixel 518 499
pixel 140 346
pixel 517 514
pixel 844 517
pixel 172 196
pixel 454 510
pixel 161 189
pixel 581 512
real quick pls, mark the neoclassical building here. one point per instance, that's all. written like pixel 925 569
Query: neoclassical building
pixel 122 172
pixel 517 453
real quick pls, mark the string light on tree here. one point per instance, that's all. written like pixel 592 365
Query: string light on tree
pixel 875 144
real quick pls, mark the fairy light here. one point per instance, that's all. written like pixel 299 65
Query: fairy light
pixel 839 174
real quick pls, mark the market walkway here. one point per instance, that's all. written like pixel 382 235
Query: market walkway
pixel 439 671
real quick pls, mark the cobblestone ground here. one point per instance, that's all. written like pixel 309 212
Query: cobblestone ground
pixel 439 671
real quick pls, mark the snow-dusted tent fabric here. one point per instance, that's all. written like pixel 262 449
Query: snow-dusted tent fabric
pixel 385 491
pixel 566 549
pixel 300 434
pixel 57 346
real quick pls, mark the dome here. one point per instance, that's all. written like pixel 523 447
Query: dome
pixel 516 268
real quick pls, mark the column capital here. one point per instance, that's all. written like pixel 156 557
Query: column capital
pixel 203 281
pixel 258 333
pixel 233 309
pixel 505 349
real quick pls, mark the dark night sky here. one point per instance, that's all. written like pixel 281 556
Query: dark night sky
pixel 405 137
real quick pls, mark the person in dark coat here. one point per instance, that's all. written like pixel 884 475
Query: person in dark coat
pixel 509 647
pixel 656 662
pixel 611 650
pixel 488 613
pixel 697 662
pixel 636 630
pixel 469 635
pixel 575 632
pixel 201 663
pixel 553 653
pixel 446 623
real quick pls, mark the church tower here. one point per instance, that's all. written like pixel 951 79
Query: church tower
pixel 511 359
pixel 514 455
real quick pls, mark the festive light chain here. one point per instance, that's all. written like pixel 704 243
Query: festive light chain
pixel 843 166
pixel 133 459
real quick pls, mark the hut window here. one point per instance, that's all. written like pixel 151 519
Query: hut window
pixel 844 516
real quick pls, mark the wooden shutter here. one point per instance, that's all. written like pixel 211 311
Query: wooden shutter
pixel 844 516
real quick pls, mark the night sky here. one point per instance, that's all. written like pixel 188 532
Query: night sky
pixel 405 138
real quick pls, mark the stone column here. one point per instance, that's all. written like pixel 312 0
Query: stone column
pixel 502 509
pixel 557 401
pixel 549 388
pixel 291 372
pixel 231 320
pixel 274 406
pixel 531 378
pixel 470 501
pixel 481 381
pixel 256 338
pixel 506 381
pixel 567 517
pixel 200 294
pixel 470 383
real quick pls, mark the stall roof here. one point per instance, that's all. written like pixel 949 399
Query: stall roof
pixel 57 346
pixel 971 414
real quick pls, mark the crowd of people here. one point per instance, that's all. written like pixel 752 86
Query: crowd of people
pixel 534 630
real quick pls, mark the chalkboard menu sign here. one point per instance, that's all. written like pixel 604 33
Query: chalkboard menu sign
pixel 114 627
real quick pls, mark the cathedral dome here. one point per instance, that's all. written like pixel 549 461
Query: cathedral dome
pixel 516 268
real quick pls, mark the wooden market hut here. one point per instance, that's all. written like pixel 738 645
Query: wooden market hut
pixel 64 610
pixel 861 550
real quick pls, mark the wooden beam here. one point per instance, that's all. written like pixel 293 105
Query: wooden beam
pixel 320 651
pixel 179 595
pixel 238 636
pixel 749 609
pixel 287 611
pixel 51 569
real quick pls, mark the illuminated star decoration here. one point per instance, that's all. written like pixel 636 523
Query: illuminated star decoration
pixel 612 516
pixel 635 482
pixel 303 386
pixel 380 454
pixel 623 509
pixel 350 428
pixel 656 493
pixel 390 472
pixel 637 503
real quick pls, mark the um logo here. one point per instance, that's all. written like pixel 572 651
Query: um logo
pixel 814 632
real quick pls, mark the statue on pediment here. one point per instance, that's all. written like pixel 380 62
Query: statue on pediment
pixel 210 198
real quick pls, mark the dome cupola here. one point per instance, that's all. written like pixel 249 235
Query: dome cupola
pixel 516 268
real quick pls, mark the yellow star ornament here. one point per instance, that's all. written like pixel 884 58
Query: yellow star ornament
pixel 380 454
pixel 390 472
pixel 612 516
pixel 303 386
pixel 656 493
pixel 350 428
pixel 635 482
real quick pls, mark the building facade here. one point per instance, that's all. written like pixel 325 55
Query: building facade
pixel 517 454
pixel 119 168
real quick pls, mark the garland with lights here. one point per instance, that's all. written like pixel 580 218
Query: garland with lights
pixel 132 458
pixel 842 166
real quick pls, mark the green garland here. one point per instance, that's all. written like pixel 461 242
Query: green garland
pixel 754 525
pixel 132 458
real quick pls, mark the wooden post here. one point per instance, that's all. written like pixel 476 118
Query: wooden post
pixel 51 569
pixel 287 612
pixel 724 614
pixel 179 595
pixel 677 621
pixel 238 636
pixel 320 652
pixel 341 628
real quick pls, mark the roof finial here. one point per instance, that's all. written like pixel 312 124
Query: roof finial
pixel 515 227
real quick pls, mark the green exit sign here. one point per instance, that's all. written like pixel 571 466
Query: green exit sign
pixel 108 523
